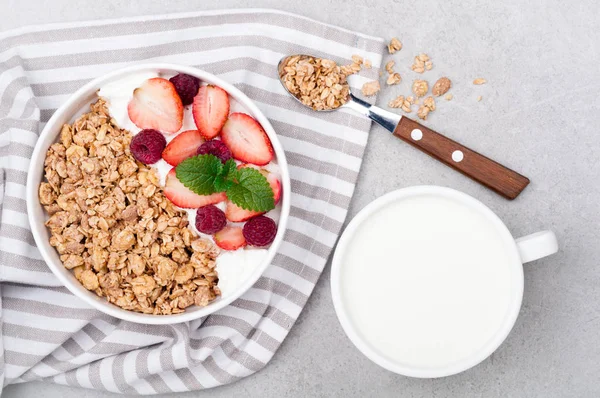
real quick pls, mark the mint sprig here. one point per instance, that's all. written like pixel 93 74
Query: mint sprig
pixel 199 173
pixel 247 187
pixel 225 180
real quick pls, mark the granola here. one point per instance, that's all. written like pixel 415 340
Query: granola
pixel 394 45
pixel 357 59
pixel 422 62
pixel 420 88
pixel 317 82
pixel 394 78
pixel 396 102
pixel 113 227
pixel 370 88
pixel 427 107
pixel 389 67
pixel 441 87
pixel 402 103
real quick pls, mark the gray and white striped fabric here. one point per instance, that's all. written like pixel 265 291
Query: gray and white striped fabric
pixel 49 334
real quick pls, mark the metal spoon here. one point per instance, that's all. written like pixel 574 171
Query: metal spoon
pixel 485 171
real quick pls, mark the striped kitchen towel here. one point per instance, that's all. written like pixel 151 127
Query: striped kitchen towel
pixel 47 333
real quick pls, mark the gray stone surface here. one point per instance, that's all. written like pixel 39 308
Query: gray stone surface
pixel 539 114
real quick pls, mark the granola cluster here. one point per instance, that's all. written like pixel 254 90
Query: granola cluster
pixel 428 106
pixel 420 88
pixel 422 63
pixel 317 82
pixel 370 88
pixel 113 227
pixel 402 103
pixel 395 45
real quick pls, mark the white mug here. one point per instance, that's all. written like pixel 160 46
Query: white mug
pixel 522 250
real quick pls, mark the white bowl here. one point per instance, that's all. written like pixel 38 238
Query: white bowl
pixel 74 107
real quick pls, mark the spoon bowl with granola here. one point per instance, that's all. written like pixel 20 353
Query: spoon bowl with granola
pixel 158 193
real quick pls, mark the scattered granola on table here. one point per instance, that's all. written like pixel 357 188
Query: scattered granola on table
pixel 420 87
pixel 113 227
pixel 317 82
pixel 479 81
pixel 393 78
pixel 448 97
pixel 429 102
pixel 441 87
pixel 370 88
pixel 422 62
pixel 394 45
pixel 427 107
pixel 402 103
pixel 396 102
pixel 389 67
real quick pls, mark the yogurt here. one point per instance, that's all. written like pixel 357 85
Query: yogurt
pixel 233 267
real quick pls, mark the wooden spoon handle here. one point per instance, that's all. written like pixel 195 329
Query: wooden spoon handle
pixel 493 175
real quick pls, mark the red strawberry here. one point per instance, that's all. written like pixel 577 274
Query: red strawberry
pixel 156 105
pixel 234 213
pixel 275 186
pixel 271 179
pixel 210 110
pixel 182 147
pixel 183 197
pixel 247 140
pixel 230 238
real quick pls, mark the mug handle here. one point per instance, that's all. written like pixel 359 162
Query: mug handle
pixel 537 245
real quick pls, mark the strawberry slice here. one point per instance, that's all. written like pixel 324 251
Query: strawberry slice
pixel 234 213
pixel 275 186
pixel 230 238
pixel 247 140
pixel 210 110
pixel 183 197
pixel 182 147
pixel 271 179
pixel 156 105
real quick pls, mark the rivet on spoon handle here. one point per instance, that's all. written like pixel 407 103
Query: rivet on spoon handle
pixel 493 175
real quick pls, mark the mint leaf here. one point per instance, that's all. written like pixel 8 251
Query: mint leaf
pixel 226 179
pixel 251 191
pixel 229 169
pixel 199 173
pixel 221 184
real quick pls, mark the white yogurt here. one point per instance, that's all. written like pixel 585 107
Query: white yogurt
pixel 425 281
pixel 233 267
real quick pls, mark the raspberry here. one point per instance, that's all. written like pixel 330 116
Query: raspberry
pixel 147 146
pixel 186 86
pixel 260 231
pixel 210 219
pixel 217 148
